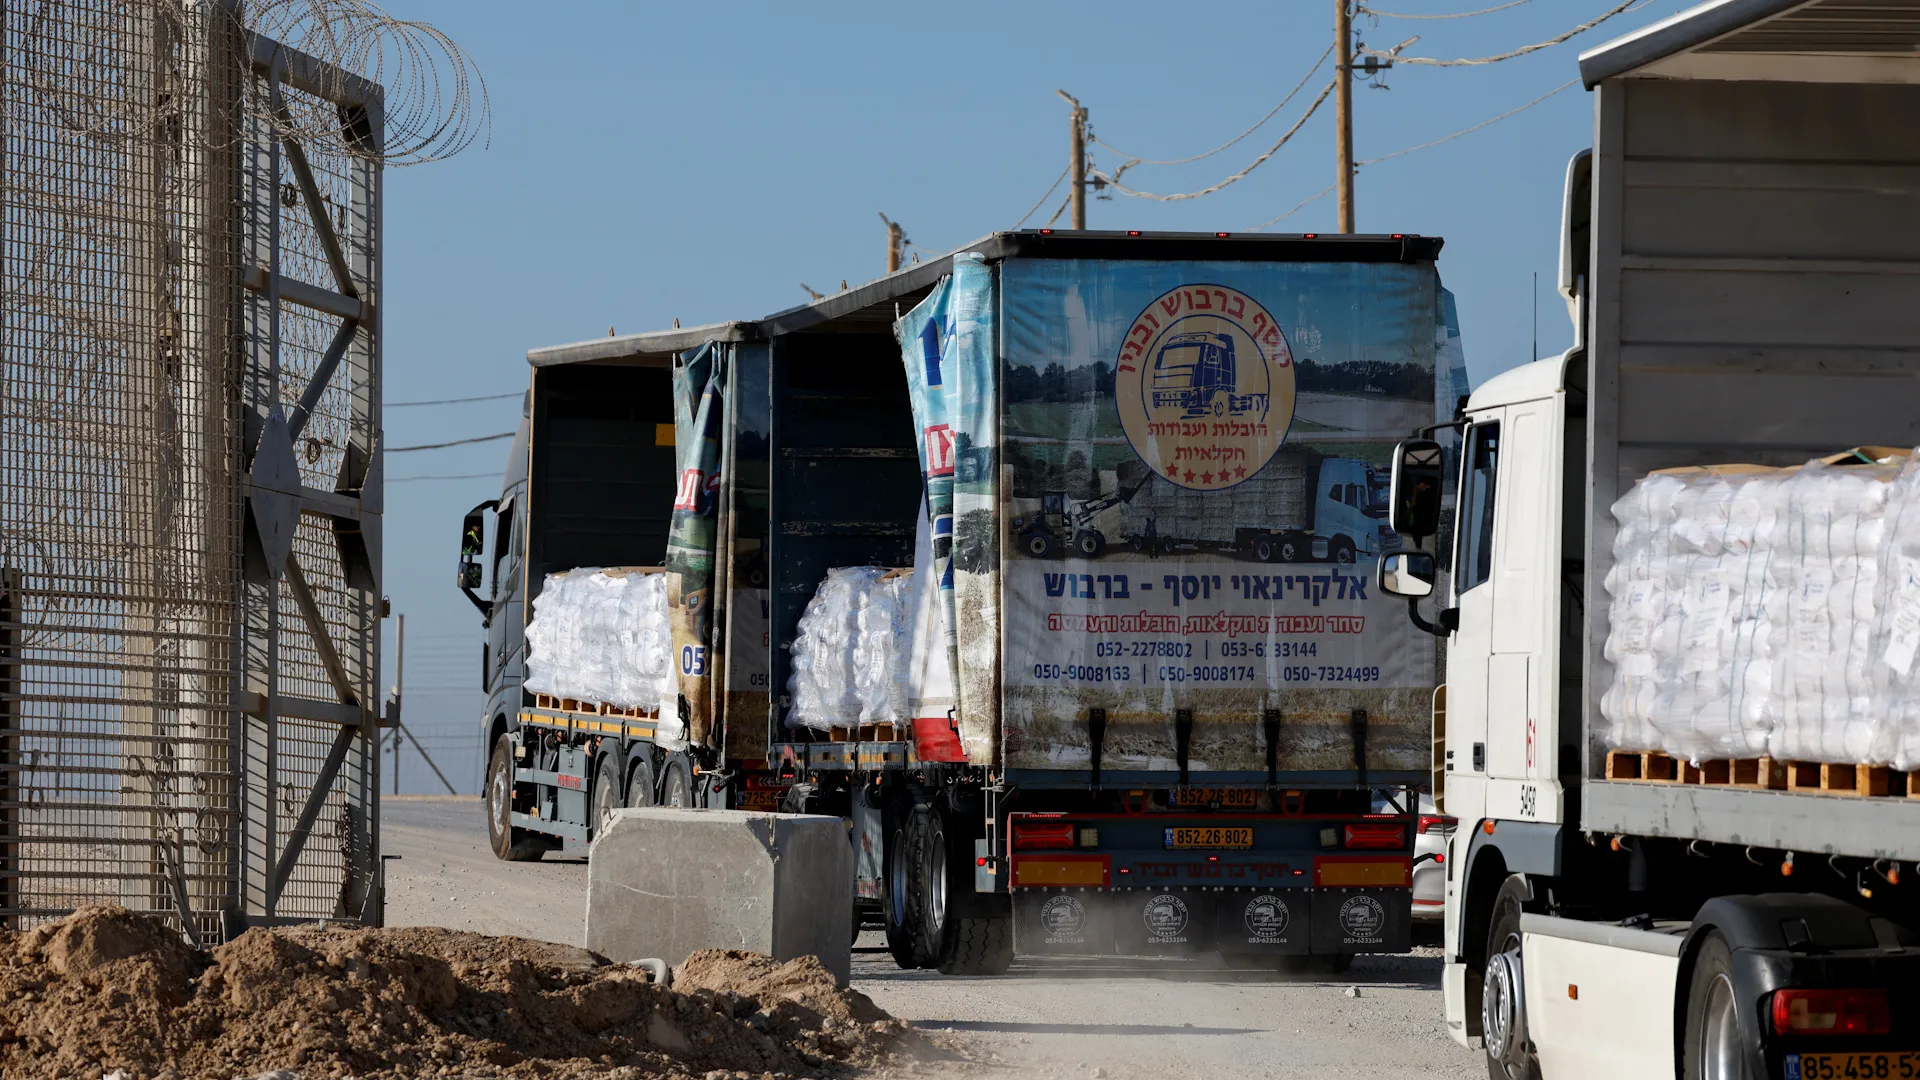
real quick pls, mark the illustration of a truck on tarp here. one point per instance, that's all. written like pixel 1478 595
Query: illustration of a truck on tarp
pixel 1301 507
pixel 1196 373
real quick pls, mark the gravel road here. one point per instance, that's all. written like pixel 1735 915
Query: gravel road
pixel 1055 1018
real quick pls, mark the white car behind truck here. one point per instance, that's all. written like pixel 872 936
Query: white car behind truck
pixel 1742 260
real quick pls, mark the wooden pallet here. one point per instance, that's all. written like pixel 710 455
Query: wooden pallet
pixel 592 708
pixel 868 733
pixel 1767 774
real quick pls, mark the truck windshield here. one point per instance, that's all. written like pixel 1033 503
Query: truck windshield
pixel 1174 370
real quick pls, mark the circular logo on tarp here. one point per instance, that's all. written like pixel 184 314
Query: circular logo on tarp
pixel 1362 918
pixel 1165 916
pixel 1063 917
pixel 1204 384
pixel 1266 916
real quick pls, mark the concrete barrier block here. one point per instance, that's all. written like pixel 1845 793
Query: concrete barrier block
pixel 668 882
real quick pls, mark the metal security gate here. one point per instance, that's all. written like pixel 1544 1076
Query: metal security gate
pixel 190 486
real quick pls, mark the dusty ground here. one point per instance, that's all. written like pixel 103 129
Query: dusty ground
pixel 1112 1018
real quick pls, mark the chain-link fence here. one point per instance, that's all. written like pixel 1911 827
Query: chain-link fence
pixel 189 472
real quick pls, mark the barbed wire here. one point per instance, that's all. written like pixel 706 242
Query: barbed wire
pixel 1454 15
pixel 1325 92
pixel 1393 54
pixel 1134 159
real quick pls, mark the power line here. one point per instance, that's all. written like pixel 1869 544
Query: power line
pixel 456 442
pixel 1455 15
pixel 1428 61
pixel 1041 201
pixel 1242 174
pixel 1321 194
pixel 1474 128
pixel 455 400
pixel 459 476
pixel 1134 159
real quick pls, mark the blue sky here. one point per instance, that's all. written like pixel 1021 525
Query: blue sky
pixel 653 161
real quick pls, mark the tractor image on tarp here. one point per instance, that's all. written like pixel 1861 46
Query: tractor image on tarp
pixel 1085 526
pixel 1196 374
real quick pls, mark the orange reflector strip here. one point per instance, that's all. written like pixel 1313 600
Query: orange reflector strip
pixel 1029 870
pixel 1386 872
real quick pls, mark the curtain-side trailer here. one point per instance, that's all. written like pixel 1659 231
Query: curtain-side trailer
pixel 1138 751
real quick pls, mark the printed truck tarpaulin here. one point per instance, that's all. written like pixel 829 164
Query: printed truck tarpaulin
pixel 947 343
pixel 697 408
pixel 1196 465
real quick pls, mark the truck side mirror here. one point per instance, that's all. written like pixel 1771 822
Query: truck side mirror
pixel 1413 501
pixel 1407 574
pixel 473 543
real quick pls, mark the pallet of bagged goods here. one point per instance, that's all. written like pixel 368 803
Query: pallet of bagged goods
pixel 600 642
pixel 1764 622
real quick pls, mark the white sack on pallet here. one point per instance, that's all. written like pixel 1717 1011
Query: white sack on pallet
pixel 601 636
pixel 1895 708
pixel 850 655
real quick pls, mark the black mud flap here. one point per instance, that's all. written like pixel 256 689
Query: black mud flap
pixel 1068 922
pixel 1263 921
pixel 1148 922
pixel 1362 920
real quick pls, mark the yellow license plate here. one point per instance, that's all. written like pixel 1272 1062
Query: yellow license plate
pixel 762 800
pixel 1226 798
pixel 1889 1065
pixel 1188 838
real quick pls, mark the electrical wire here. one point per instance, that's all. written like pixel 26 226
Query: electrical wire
pixel 1321 194
pixel 456 442
pixel 455 400
pixel 1469 130
pixel 1242 174
pixel 1041 201
pixel 1061 209
pixel 1455 15
pixel 1134 159
pixel 1393 54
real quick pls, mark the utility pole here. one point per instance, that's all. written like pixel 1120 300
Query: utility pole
pixel 1343 106
pixel 896 244
pixel 1077 170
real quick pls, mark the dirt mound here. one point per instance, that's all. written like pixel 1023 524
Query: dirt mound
pixel 106 989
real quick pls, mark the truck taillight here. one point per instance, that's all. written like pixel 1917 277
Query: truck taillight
pixel 1436 823
pixel 1041 835
pixel 1371 835
pixel 1831 1012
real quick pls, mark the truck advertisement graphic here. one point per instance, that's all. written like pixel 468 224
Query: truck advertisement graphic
pixel 1195 480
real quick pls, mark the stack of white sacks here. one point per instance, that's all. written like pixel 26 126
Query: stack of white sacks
pixel 603 636
pixel 1772 612
pixel 851 658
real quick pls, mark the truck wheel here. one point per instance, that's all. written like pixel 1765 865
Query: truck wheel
pixel 901 885
pixel 677 785
pixel 640 782
pixel 1166 545
pixel 1715 1049
pixel 1264 548
pixel 1089 544
pixel 1293 548
pixel 968 932
pixel 1503 1001
pixel 1342 550
pixel 606 794
pixel 508 843
pixel 1039 544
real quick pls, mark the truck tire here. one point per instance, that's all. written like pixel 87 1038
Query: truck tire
pixel 1342 550
pixel 640 781
pixel 1265 548
pixel 1089 544
pixel 1294 548
pixel 1039 544
pixel 967 932
pixel 676 783
pixel 509 844
pixel 1511 1059
pixel 606 793
pixel 1715 1048
pixel 900 886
